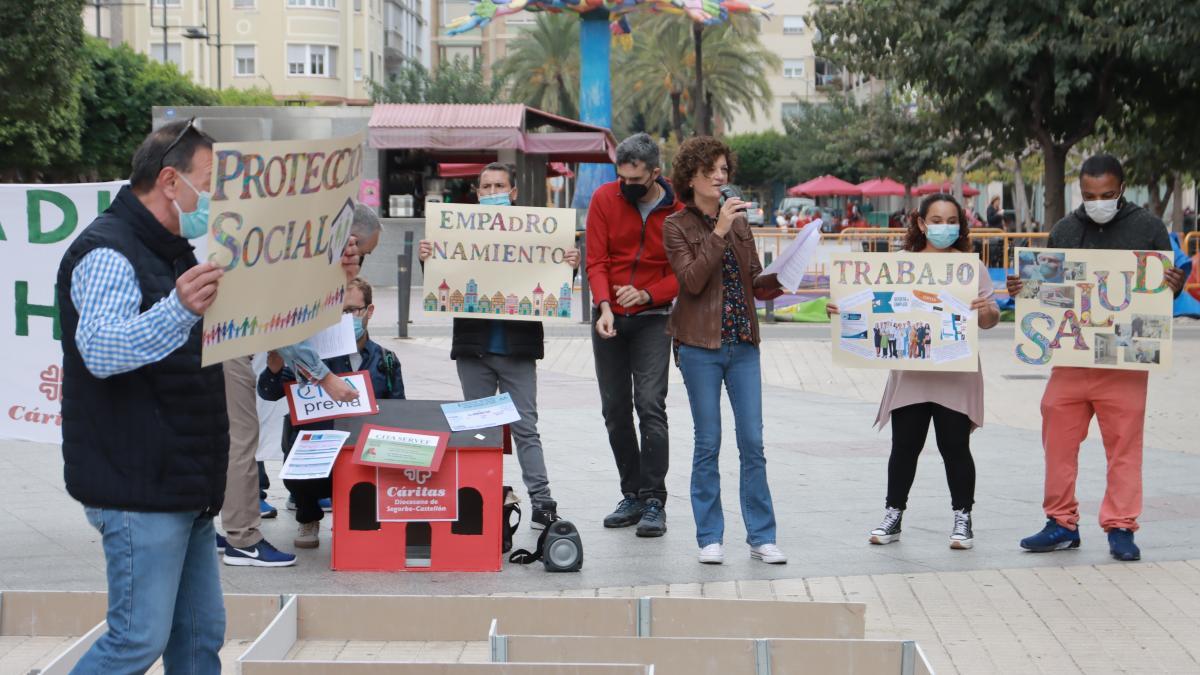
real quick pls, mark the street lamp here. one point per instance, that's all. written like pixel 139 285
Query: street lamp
pixel 201 33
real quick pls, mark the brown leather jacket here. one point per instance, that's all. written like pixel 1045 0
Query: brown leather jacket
pixel 696 254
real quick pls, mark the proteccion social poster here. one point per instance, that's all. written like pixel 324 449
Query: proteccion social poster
pixel 280 217
pixel 37 224
pixel 1094 308
pixel 499 262
pixel 905 311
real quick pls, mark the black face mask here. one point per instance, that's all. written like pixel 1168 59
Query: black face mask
pixel 634 192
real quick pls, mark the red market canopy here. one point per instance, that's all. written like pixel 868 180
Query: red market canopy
pixel 946 187
pixel 472 170
pixel 825 186
pixel 881 187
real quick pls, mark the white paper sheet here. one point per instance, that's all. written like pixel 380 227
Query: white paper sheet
pixel 951 351
pixel 791 265
pixel 313 454
pixel 482 413
pixel 858 347
pixel 958 306
pixel 337 340
pixel 856 300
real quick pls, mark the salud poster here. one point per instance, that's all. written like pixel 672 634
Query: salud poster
pixel 280 217
pixel 1094 308
pixel 905 311
pixel 499 262
pixel 37 224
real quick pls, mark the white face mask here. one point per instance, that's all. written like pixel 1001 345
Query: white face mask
pixel 1102 210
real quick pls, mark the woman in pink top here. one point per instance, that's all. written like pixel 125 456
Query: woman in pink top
pixel 952 400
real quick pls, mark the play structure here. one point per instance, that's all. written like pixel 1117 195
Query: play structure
pixel 601 21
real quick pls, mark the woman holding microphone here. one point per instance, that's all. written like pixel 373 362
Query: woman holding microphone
pixel 715 326
pixel 953 401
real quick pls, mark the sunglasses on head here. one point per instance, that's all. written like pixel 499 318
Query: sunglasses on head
pixel 191 125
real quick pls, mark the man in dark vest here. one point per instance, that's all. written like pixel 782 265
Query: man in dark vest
pixel 495 355
pixel 145 431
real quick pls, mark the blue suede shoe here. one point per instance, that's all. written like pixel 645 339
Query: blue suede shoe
pixel 220 544
pixel 326 504
pixel 1121 546
pixel 265 510
pixel 1053 537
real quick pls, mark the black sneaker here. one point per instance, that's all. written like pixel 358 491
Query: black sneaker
pixel 888 530
pixel 962 537
pixel 654 520
pixel 543 515
pixel 629 512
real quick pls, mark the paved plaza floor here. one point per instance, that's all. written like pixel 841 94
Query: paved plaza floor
pixel 992 609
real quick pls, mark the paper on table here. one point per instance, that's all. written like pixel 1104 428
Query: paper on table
pixel 482 413
pixel 951 351
pixel 791 265
pixel 852 301
pixel 858 348
pixel 313 454
pixel 337 340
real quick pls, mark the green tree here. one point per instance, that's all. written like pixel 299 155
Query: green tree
pixel 542 66
pixel 889 136
pixel 810 150
pixel 254 96
pixel 656 77
pixel 40 69
pixel 1047 71
pixel 759 158
pixel 457 81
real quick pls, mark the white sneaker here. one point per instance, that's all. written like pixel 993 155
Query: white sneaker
pixel 962 537
pixel 888 530
pixel 713 554
pixel 768 553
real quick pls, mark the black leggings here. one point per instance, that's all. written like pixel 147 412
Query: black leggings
pixel 910 427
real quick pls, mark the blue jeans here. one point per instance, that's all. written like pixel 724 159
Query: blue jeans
pixel 164 594
pixel 703 371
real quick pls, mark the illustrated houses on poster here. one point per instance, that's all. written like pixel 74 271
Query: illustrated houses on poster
pixel 471 301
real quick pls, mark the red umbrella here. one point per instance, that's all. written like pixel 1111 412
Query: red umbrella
pixel 946 187
pixel 881 187
pixel 825 186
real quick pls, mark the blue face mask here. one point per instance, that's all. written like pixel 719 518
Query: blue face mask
pixel 359 328
pixel 194 223
pixel 498 199
pixel 942 235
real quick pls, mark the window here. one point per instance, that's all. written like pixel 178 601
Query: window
pixel 313 60
pixel 170 3
pixel 793 25
pixel 790 111
pixel 323 4
pixel 371 65
pixel 174 53
pixel 358 5
pixel 243 4
pixel 793 68
pixel 358 65
pixel 243 60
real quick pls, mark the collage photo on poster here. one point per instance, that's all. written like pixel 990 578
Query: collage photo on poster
pixel 906 326
pixel 1051 278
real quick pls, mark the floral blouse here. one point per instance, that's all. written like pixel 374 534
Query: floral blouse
pixel 735 316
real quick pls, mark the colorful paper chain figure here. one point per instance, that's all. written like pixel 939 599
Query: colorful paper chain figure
pixel 705 12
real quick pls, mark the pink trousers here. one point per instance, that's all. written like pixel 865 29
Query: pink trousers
pixel 1118 400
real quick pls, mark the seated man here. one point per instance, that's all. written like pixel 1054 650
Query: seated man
pixel 386 380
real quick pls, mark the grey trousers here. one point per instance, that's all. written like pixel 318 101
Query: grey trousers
pixel 240 515
pixel 482 377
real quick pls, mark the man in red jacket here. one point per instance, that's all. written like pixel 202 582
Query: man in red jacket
pixel 632 287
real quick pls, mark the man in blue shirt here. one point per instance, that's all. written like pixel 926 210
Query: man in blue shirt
pixel 145 431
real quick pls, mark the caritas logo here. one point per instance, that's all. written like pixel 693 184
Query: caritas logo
pixel 51 388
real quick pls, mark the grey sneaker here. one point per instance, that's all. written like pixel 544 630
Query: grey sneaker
pixel 888 530
pixel 654 520
pixel 961 537
pixel 628 512
pixel 308 535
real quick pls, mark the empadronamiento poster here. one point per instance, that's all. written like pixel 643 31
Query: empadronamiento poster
pixel 499 262
pixel 1094 308
pixel 905 311
pixel 280 217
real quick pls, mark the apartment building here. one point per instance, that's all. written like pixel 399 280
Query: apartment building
pixel 802 76
pixel 314 50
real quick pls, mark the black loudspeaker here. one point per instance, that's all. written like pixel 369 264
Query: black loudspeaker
pixel 563 550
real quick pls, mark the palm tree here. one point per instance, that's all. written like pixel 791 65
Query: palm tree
pixel 658 76
pixel 543 65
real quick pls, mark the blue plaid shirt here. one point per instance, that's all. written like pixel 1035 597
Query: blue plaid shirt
pixel 113 335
